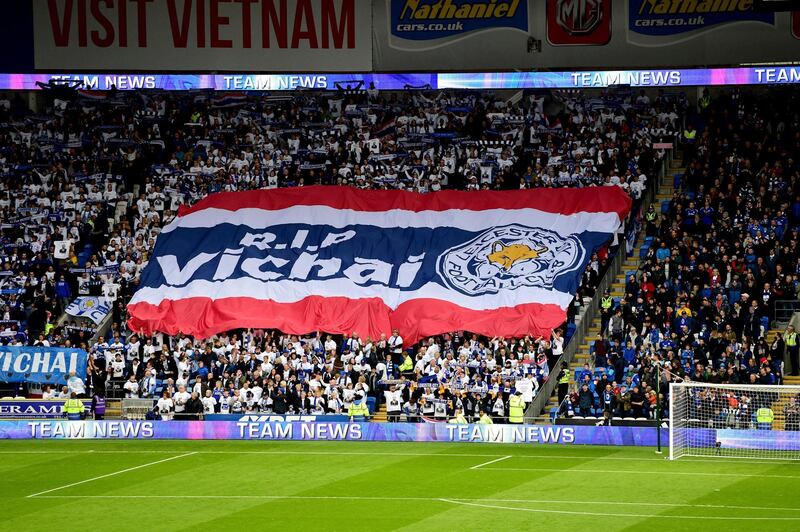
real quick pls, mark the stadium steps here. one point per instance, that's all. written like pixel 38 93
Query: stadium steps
pixel 113 409
pixel 617 290
pixel 380 414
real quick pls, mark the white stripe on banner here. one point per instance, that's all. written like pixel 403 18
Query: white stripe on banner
pixel 287 291
pixel 468 220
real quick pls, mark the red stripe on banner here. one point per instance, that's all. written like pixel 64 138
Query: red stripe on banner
pixel 428 317
pixel 554 200
pixel 203 317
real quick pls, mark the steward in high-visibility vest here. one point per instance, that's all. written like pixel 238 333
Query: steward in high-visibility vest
pixel 358 408
pixel 791 339
pixel 516 408
pixel 407 364
pixel 704 101
pixel 564 379
pixel 606 302
pixel 689 135
pixel 73 407
pixel 650 216
pixel 765 415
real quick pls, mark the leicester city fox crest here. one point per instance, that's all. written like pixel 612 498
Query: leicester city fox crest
pixel 509 257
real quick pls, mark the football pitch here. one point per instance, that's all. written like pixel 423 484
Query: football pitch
pixel 194 485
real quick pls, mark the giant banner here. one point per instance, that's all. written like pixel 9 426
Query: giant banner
pixel 536 34
pixel 258 35
pixel 406 432
pixel 345 260
pixel 46 365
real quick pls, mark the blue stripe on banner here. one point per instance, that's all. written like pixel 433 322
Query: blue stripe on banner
pixel 402 258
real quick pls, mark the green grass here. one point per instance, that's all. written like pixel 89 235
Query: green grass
pixel 212 485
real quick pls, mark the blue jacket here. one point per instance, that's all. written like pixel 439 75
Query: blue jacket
pixel 62 289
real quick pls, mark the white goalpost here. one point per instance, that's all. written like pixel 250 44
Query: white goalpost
pixel 734 421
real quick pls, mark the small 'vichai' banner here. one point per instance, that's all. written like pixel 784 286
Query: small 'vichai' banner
pixel 46 365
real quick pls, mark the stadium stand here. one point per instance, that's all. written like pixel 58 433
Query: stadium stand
pixel 99 174
pixel 714 284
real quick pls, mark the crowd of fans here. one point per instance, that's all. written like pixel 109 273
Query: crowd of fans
pixel 87 184
pixel 720 254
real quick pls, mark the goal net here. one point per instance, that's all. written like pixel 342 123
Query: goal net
pixel 734 421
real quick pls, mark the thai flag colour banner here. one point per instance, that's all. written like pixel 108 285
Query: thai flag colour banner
pixel 342 260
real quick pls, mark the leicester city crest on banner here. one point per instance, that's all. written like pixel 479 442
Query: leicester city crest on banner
pixel 509 257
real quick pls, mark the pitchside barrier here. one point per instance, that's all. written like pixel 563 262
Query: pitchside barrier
pixel 328 431
pixel 249 429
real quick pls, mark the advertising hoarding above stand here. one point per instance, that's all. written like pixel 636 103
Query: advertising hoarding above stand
pixel 466 35
pixel 761 75
pixel 390 35
pixel 264 35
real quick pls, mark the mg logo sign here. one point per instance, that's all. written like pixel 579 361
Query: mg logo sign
pixel 578 17
pixel 578 22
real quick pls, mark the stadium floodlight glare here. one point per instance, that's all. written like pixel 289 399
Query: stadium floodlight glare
pixel 734 421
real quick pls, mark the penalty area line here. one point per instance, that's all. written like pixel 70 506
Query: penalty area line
pixel 110 474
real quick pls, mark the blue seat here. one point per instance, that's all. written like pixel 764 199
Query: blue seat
pixel 677 180
pixel 371 404
pixel 665 207
pixel 553 414
pixel 649 239
pixel 765 323
pixel 643 251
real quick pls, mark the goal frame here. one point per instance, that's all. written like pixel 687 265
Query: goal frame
pixel 673 421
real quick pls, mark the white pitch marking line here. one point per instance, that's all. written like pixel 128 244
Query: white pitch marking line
pixel 111 474
pixel 492 462
pixel 601 514
pixel 373 498
pixel 627 472
pixel 753 461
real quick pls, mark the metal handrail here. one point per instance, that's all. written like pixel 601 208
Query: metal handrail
pixel 785 309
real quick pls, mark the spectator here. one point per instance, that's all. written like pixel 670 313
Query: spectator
pixel 194 408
